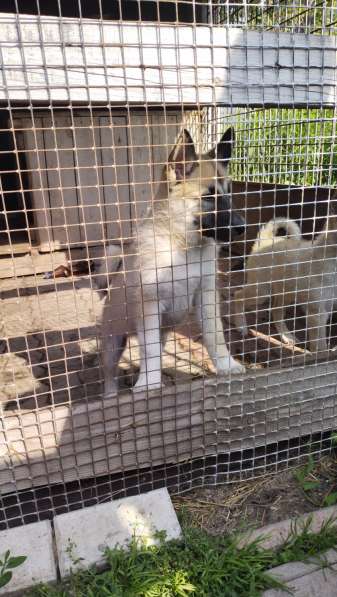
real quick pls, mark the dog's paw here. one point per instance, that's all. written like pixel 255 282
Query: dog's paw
pixel 110 394
pixel 230 366
pixel 110 391
pixel 147 382
pixel 237 368
pixel 146 387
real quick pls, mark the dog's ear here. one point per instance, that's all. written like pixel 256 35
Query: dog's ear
pixel 182 158
pixel 223 150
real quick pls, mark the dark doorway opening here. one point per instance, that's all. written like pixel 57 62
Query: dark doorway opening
pixel 16 216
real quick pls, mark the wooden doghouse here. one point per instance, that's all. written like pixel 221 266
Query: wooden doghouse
pixel 89 175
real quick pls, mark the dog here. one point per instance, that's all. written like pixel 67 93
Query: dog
pixel 169 273
pixel 291 271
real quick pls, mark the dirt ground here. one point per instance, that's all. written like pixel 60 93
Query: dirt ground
pixel 49 341
pixel 49 347
pixel 252 504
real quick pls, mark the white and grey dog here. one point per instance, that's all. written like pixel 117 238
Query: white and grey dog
pixel 170 271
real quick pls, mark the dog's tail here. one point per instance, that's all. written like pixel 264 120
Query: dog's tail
pixel 278 227
pixel 108 265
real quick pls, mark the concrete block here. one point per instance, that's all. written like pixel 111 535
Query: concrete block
pixel 86 533
pixel 320 582
pixel 275 534
pixel 36 542
pixel 293 570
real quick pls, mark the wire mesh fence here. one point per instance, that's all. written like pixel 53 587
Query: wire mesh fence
pixel 167 188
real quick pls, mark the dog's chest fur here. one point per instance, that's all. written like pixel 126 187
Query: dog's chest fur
pixel 174 276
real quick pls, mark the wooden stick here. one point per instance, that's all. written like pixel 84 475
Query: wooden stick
pixel 275 342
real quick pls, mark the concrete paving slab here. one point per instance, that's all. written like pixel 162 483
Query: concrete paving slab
pixel 275 534
pixel 86 533
pixel 36 542
pixel 321 583
pixel 293 570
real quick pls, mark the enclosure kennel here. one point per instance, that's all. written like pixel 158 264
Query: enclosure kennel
pixel 92 99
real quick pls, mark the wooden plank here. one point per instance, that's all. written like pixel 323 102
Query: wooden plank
pixel 35 284
pixel 164 130
pixel 62 184
pixel 87 159
pixel 29 136
pixel 68 442
pixel 92 61
pixel 140 141
pixel 28 265
pixel 115 177
pixel 16 248
pixel 51 175
pixel 150 135
pixel 78 187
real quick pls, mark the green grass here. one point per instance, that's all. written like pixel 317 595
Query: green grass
pixel 318 480
pixel 200 566
pixel 7 564
pixel 286 146
pixel 295 146
pixel 302 543
pixel 316 17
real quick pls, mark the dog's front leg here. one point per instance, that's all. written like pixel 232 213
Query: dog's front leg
pixel 148 331
pixel 208 307
pixel 113 344
pixel 317 319
pixel 279 314
pixel 239 316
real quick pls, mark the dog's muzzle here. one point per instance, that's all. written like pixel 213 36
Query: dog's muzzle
pixel 218 220
pixel 237 224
